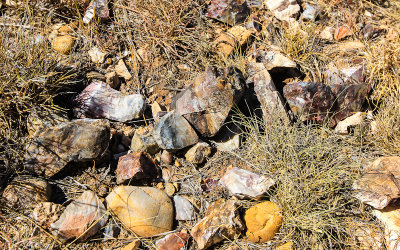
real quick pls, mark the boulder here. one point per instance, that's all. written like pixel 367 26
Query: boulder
pixel 137 166
pixel 221 222
pixel 173 131
pixel 173 241
pixel 99 100
pixel 63 44
pixel 245 184
pixel 183 208
pixel 263 221
pixel 46 213
pixel 228 11
pixel 53 147
pixel 81 219
pixel 207 102
pixel 198 153
pixel 284 10
pixel 146 211
pixel 144 143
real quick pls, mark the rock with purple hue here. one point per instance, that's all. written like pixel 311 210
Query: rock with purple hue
pixel 138 166
pixel 231 12
pixel 183 208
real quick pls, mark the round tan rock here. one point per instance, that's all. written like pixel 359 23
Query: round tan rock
pixel 170 189
pixel 263 221
pixel 64 44
pixel 146 211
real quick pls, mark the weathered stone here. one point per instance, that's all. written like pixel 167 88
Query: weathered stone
pixel 370 31
pixel 390 218
pixel 355 74
pixel 64 44
pixel 379 185
pixel 284 10
pixel 245 184
pixel 96 55
pixel 343 126
pixel 228 138
pixel 327 33
pixel 45 213
pixel 310 12
pixel 183 208
pixel 198 153
pixel 273 60
pixel 235 36
pixel 342 32
pixel 170 189
pixel 122 70
pixel 174 241
pixel 99 100
pixel 41 117
pixel 81 219
pixel 26 192
pixel 137 166
pixel 221 222
pixel 174 132
pixel 146 211
pixel 134 245
pixel 207 102
pixel 166 157
pixel 144 143
pixel 263 221
pixel 98 9
pixel 228 11
pixel 79 140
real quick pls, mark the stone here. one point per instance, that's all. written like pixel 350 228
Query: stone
pixel 68 28
pixel 327 33
pixel 174 132
pixel 263 221
pixel 284 10
pixel 46 213
pixel 53 147
pixel 346 75
pixel 231 12
pixel 122 70
pixel 273 60
pixel 183 208
pixel 169 189
pixel 96 55
pixel 98 9
pixel 134 245
pixel 64 44
pixel 245 184
pixel 235 36
pixel 379 184
pixel 228 138
pixel 287 246
pixel 310 13
pixel 198 153
pixel 146 211
pixel 81 219
pixel 144 143
pixel 207 102
pixel 40 118
pixel 99 100
pixel 26 192
pixel 173 241
pixel 390 218
pixel 342 32
pixel 166 157
pixel 156 111
pixel 369 31
pixel 112 79
pixel 343 126
pixel 221 222
pixel 137 166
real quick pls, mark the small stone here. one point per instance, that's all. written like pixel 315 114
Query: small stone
pixel 174 132
pixel 343 126
pixel 183 208
pixel 286 246
pixel 160 186
pixel 144 143
pixel 46 213
pixel 166 157
pixel 167 174
pixel 327 33
pixel 112 79
pixel 235 36
pixel 198 153
pixel 99 100
pixel 134 245
pixel 263 221
pixel 273 60
pixel 96 8
pixel 26 192
pixel 170 189
pixel 178 164
pixel 174 241
pixel 342 32
pixel 228 11
pixel 64 44
pixel 122 70
pixel 146 211
pixel 81 219
pixel 369 31
pixel 96 55
pixel 390 218
pixel 310 12
pixel 221 222
pixel 155 110
pixel 228 139
pixel 136 166
pixel 245 184
pixel 284 10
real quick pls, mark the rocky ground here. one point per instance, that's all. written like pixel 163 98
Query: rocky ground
pixel 191 124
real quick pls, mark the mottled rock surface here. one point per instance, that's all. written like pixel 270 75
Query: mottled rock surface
pixel 45 213
pixel 235 36
pixel 228 11
pixel 40 118
pixel 174 241
pixel 198 153
pixel 183 208
pixel 273 60
pixel 137 166
pixel 284 10
pixel 144 143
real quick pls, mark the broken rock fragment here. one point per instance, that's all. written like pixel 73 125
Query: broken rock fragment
pixel 53 147
pixel 221 222
pixel 183 208
pixel 228 11
pixel 98 9
pixel 137 166
pixel 99 100
pixel 82 218
pixel 45 213
pixel 198 153
pixel 343 126
pixel 273 60
pixel 96 55
pixel 174 241
pixel 284 10
pixel 144 143
pixel 227 41
pixel 390 218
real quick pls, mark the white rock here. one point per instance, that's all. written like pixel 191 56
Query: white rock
pixel 122 70
pixel 183 208
pixel 284 10
pixel 390 218
pixel 274 59
pixel 356 119
pixel 96 55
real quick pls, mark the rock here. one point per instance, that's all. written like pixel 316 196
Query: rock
pixel 207 102
pixel 343 126
pixel 263 221
pixel 346 75
pixel 378 186
pixel 122 70
pixel 235 36
pixel 53 147
pixel 228 11
pixel 174 241
pixel 170 189
pixel 166 157
pixel 228 138
pixel 68 28
pixel 390 218
pixel 273 61
pixel 198 153
pixel 134 245
pixel 221 222
pixel 96 55
pixel 342 32
pixel 45 213
pixel 112 79
pixel 327 33
pixel 245 184
pixel 63 44
pixel 40 118
pixel 144 143
pixel 284 10
pixel 97 8
pixel 369 31
pixel 287 246
pixel 81 219
pixel 183 208
pixel 174 132
pixel 137 166
pixel 146 211
pixel 155 110
pixel 310 12
pixel 26 192
pixel 99 100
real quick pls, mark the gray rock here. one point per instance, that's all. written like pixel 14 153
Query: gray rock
pixel 310 13
pixel 273 60
pixel 183 208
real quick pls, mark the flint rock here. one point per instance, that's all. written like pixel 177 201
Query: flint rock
pixel 198 153
pixel 221 222
pixel 41 118
pixel 274 61
pixel 183 208
pixel 228 11
pixel 99 100
pixel 53 147
pixel 173 131
pixel 343 126
pixel 146 211
pixel 137 166
pixel 174 241
pixel 82 218
pixel 284 10
pixel 207 102
pixel 45 213
pixel 144 143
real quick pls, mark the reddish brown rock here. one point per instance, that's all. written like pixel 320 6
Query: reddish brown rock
pixel 342 32
pixel 174 241
pixel 228 11
pixel 207 102
pixel 137 166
